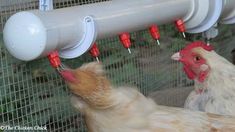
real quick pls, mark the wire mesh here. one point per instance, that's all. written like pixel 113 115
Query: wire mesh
pixel 31 93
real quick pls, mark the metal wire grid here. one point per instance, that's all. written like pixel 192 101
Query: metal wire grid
pixel 33 94
pixel 69 3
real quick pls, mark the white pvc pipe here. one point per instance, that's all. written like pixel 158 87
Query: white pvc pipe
pixel 228 14
pixel 205 14
pixel 33 34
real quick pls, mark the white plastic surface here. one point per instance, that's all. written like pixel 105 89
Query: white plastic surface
pixel 25 36
pixel 213 10
pixel 228 14
pixel 33 34
pixel 199 13
pixel 45 5
pixel 229 21
pixel 64 29
pixel 85 43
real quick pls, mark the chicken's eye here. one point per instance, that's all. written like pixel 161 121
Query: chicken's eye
pixel 197 58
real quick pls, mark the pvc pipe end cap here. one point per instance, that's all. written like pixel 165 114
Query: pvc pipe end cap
pixel 25 36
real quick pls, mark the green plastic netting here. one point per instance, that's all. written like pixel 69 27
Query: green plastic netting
pixel 32 93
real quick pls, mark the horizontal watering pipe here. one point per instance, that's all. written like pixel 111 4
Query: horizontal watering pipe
pixel 228 14
pixel 33 34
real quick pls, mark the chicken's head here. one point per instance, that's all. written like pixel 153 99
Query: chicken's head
pixel 195 65
pixel 88 83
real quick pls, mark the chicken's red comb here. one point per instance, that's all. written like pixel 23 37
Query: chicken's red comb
pixel 198 44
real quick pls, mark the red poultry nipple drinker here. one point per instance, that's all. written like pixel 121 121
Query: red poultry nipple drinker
pixel 55 61
pixel 94 51
pixel 154 31
pixel 125 40
pixel 180 26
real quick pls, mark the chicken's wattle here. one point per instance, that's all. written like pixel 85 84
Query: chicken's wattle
pixel 191 75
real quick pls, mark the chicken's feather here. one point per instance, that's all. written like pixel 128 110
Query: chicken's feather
pixel 219 97
pixel 124 109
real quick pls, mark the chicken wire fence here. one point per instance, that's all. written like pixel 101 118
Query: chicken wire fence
pixel 32 93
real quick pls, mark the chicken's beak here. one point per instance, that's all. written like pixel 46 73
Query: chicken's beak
pixel 69 76
pixel 176 56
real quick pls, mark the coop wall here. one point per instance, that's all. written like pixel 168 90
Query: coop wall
pixel 32 93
